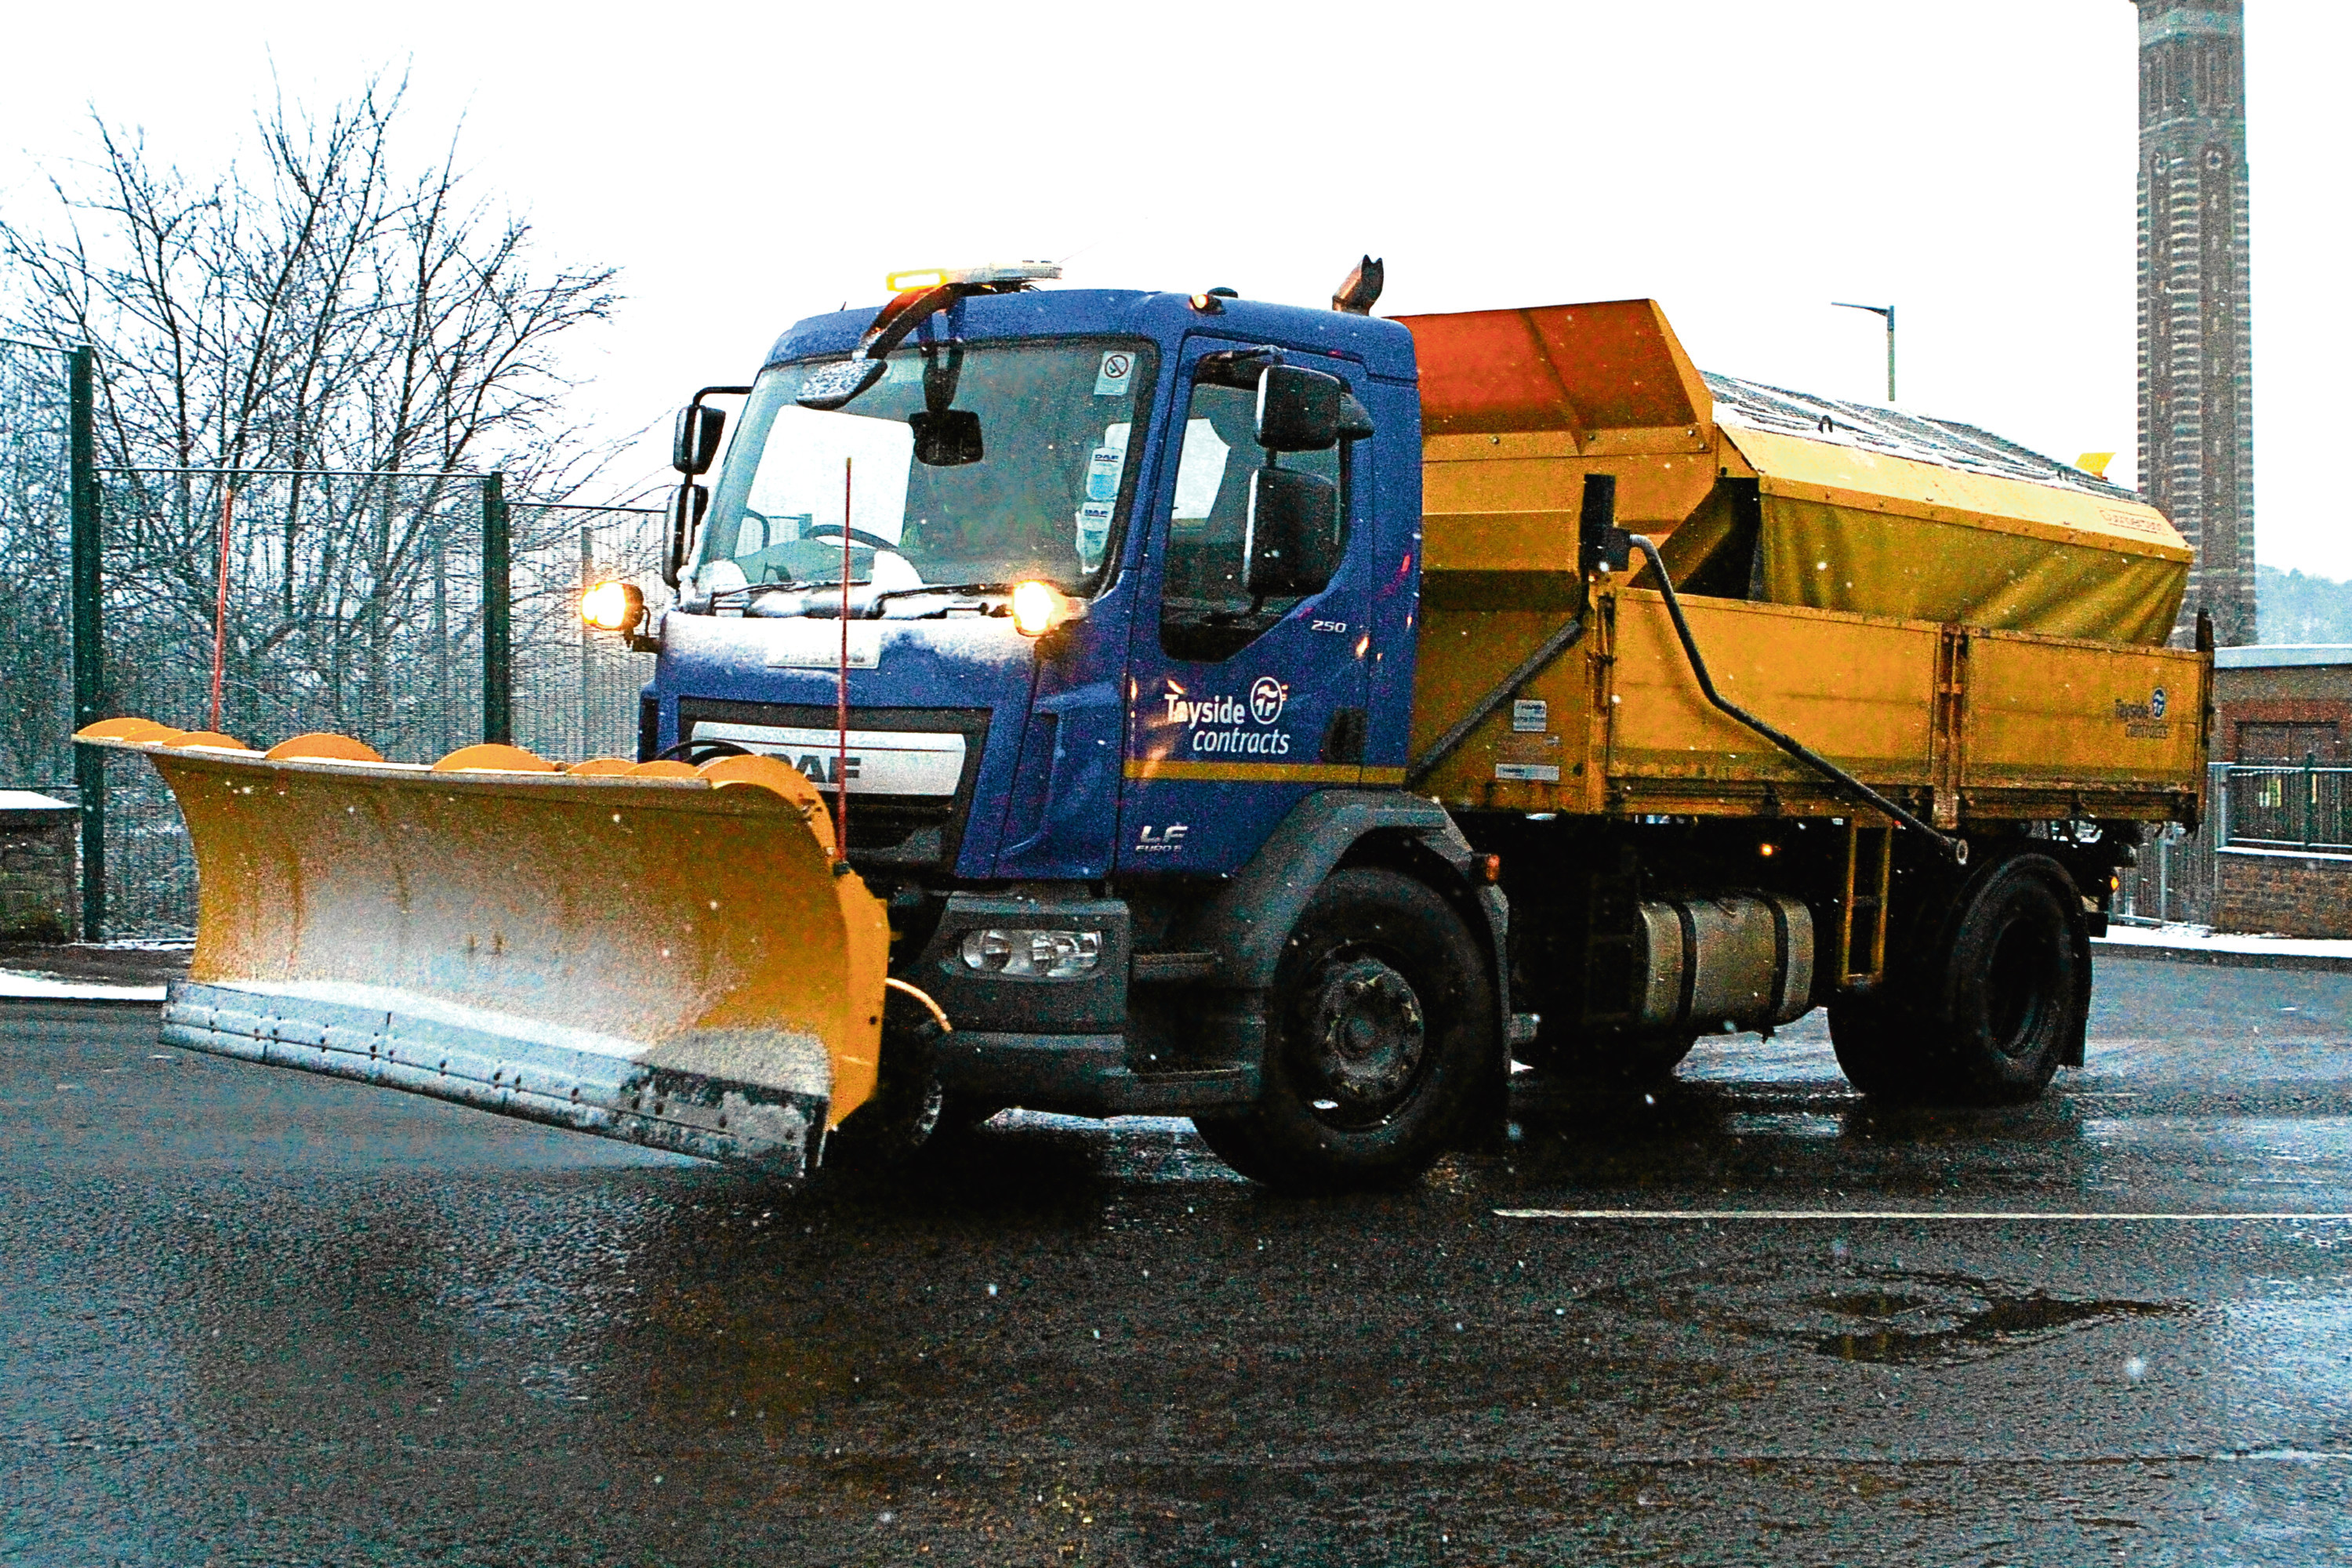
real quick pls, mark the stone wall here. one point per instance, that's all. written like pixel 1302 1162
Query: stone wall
pixel 2283 893
pixel 37 852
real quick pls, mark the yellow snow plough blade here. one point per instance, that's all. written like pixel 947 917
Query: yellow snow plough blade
pixel 653 952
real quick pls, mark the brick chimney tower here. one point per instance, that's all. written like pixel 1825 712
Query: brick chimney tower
pixel 2196 364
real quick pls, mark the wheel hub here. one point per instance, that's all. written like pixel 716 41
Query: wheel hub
pixel 1365 1032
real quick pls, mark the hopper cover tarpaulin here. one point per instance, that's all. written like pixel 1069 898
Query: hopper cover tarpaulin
pixel 1844 528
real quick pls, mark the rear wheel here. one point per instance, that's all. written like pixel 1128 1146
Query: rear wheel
pixel 1989 1009
pixel 1878 1053
pixel 2017 982
pixel 1380 1038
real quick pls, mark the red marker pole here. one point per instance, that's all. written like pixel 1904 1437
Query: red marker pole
pixel 841 687
pixel 220 607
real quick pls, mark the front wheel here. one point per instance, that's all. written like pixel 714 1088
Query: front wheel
pixel 908 1109
pixel 1380 1038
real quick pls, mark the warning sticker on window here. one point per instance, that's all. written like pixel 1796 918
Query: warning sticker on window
pixel 1104 466
pixel 1117 371
pixel 1094 532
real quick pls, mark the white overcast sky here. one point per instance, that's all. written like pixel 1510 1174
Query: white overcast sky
pixel 1743 163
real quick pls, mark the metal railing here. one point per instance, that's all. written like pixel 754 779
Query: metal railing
pixel 2287 806
pixel 2290 807
pixel 2173 883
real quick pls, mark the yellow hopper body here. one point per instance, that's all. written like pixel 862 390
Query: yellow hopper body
pixel 1917 600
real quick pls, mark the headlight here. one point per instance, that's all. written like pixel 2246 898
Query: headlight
pixel 613 607
pixel 1033 954
pixel 1037 606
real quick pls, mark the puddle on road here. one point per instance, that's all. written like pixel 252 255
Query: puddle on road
pixel 1864 1313
pixel 1782 1125
pixel 1925 1328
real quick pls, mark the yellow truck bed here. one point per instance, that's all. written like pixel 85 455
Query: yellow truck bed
pixel 1925 607
pixel 1963 723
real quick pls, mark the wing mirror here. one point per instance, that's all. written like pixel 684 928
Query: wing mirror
pixel 696 442
pixel 1297 409
pixel 686 505
pixel 1290 540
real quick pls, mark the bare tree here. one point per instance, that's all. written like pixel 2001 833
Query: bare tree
pixel 34 671
pixel 317 307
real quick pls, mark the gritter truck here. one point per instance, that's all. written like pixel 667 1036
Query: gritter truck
pixel 1114 702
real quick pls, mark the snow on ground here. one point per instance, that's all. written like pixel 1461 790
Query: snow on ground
pixel 18 985
pixel 2198 939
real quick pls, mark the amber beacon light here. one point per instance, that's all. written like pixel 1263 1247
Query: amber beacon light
pixel 613 607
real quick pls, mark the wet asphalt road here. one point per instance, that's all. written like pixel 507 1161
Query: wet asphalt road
pixel 251 1317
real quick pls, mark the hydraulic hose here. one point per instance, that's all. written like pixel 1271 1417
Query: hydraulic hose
pixel 1956 849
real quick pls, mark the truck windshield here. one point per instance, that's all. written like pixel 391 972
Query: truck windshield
pixel 964 465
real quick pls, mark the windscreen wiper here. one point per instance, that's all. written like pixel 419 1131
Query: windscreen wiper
pixel 753 590
pixel 874 604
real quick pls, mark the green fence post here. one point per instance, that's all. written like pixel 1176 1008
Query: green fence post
pixel 88 651
pixel 498 615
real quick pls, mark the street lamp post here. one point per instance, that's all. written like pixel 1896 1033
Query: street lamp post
pixel 1888 311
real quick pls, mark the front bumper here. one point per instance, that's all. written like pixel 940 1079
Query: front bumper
pixel 1082 1075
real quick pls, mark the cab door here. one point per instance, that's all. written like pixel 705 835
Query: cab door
pixel 1237 707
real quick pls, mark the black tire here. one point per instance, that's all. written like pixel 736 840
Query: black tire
pixel 2016 982
pixel 907 1108
pixel 1879 1052
pixel 1986 1012
pixel 1381 1041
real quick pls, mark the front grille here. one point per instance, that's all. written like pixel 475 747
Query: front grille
pixel 894 831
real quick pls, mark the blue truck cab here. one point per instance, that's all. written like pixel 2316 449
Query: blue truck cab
pixel 1115 760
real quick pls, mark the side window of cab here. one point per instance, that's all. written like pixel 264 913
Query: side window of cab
pixel 1206 610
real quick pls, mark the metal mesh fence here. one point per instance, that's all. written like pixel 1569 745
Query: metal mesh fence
pixel 575 692
pixel 353 602
pixel 2173 881
pixel 350 602
pixel 36 645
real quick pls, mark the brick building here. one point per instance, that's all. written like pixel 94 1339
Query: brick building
pixel 2196 369
pixel 2281 704
pixel 2283 861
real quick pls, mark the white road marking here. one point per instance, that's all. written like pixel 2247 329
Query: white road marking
pixel 1910 1215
